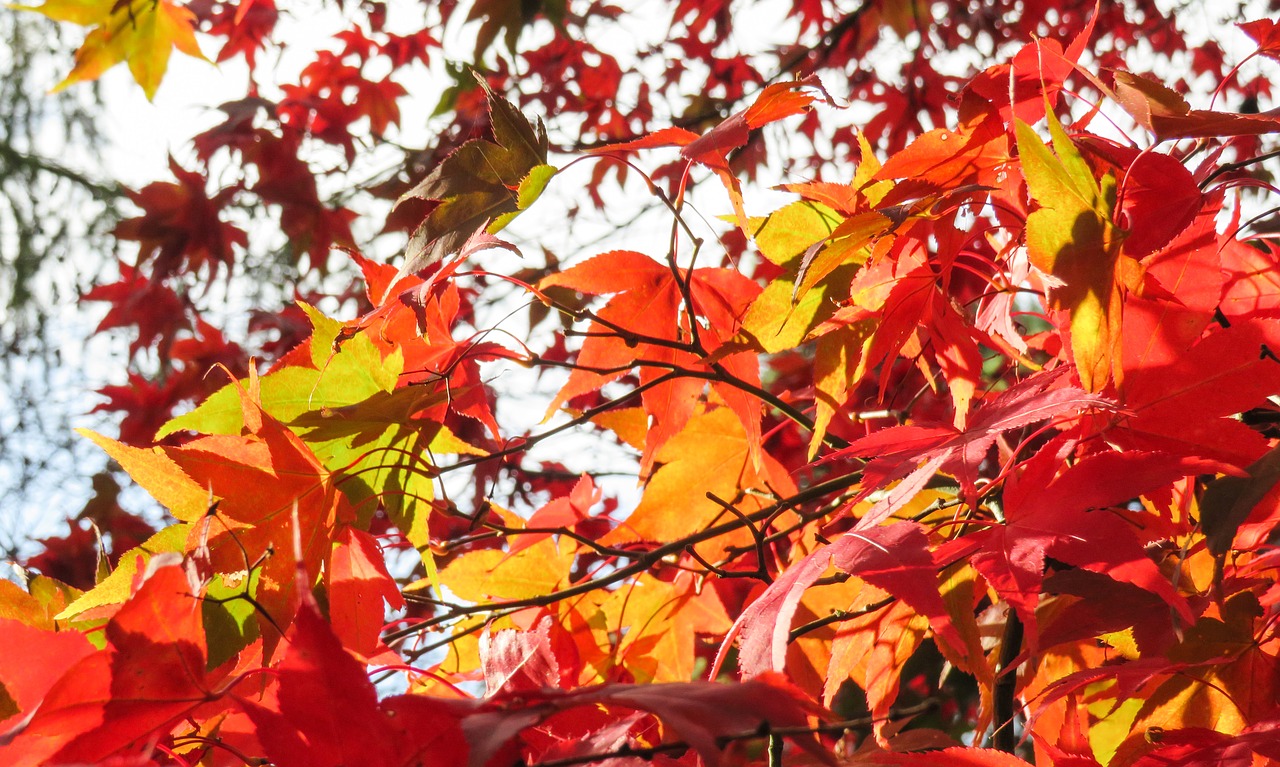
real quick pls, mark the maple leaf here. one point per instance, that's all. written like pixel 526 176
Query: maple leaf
pixel 711 150
pixel 699 713
pixel 180 228
pixel 259 481
pixel 947 757
pixel 894 302
pixel 141 32
pixel 36 657
pixel 515 660
pixel 345 406
pixel 1066 517
pixel 151 673
pixel 1032 80
pixel 479 576
pixel 873 651
pixel 328 710
pixel 662 621
pixel 1185 404
pixel 1072 237
pixel 972 154
pixel 1184 287
pixel 1266 34
pixel 1167 115
pixel 915 453
pixel 150 305
pixel 895 558
pixel 477 183
pixel 650 303
pixel 358 583
pixel 712 455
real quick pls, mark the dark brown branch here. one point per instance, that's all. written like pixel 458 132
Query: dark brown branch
pixel 772 734
pixel 585 417
pixel 838 616
pixel 641 563
pixel 1004 701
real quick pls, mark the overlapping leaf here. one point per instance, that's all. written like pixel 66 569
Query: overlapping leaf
pixel 479 182
pixel 1072 236
pixel 140 32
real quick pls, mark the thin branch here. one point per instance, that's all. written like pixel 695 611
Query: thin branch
pixel 838 616
pixel 99 190
pixel 641 563
pixel 773 734
pixel 1004 703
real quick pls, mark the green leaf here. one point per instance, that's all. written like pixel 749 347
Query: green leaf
pixel 229 626
pixel 385 452
pixel 340 378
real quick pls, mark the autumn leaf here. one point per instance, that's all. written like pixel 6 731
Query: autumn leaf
pixel 1073 238
pixel 895 558
pixel 1067 517
pixel 515 660
pixel 711 150
pixel 914 453
pixel 328 709
pixel 358 584
pixel 35 659
pixel 650 303
pixel 259 480
pixel 699 713
pixel 1266 34
pixel 1166 113
pixel 140 32
pixel 151 673
pixel 661 622
pixel 479 576
pixel 345 406
pixel 712 455
pixel 480 182
pixel 1185 405
pixel 116 588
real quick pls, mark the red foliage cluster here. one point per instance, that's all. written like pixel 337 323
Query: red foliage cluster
pixel 972 442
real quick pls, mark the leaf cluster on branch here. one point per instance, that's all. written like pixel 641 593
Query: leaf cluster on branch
pixel 964 455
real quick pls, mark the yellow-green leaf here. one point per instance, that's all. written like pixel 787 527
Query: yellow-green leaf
pixel 117 586
pixel 1072 237
pixel 774 322
pixel 789 231
pixel 142 33
pixel 344 377
pixel 848 243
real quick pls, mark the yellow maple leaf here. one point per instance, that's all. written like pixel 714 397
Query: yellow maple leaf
pixel 710 455
pixel 142 33
pixel 1073 238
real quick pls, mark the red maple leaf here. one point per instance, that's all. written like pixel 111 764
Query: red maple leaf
pixel 645 325
pixel 1068 517
pixel 181 229
pixel 150 674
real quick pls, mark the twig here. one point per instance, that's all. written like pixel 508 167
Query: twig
pixel 773 734
pixel 838 616
pixel 1003 696
pixel 642 562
